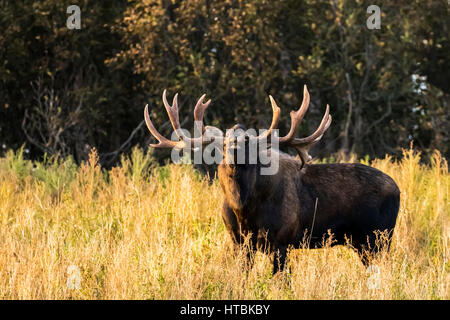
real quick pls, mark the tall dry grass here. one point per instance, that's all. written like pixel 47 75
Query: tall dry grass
pixel 143 232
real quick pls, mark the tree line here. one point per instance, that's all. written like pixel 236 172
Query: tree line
pixel 65 91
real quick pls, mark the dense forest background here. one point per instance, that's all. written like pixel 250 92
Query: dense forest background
pixel 65 91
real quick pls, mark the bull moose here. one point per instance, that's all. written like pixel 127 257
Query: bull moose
pixel 352 202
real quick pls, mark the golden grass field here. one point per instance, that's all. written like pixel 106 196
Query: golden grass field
pixel 144 232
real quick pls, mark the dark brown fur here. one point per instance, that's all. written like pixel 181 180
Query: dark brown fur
pixel 353 202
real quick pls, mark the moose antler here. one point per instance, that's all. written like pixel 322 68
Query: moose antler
pixel 275 117
pixel 302 145
pixel 172 111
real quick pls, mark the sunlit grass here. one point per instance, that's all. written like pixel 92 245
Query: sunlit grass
pixel 139 231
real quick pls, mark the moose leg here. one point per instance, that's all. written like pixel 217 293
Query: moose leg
pixel 231 223
pixel 250 256
pixel 234 229
pixel 279 259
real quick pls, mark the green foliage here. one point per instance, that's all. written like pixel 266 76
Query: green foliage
pixel 55 173
pixel 366 75
pixel 38 55
pixel 15 163
pixel 98 79
pixel 239 52
pixel 137 166
pixel 163 174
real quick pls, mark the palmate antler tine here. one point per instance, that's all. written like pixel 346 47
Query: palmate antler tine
pixel 172 111
pixel 199 112
pixel 302 145
pixel 275 117
pixel 163 142
pixel 297 116
pixel 317 135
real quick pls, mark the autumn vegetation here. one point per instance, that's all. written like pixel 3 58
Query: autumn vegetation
pixel 82 195
pixel 139 231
